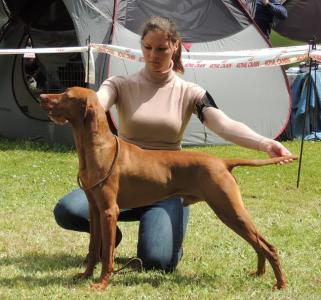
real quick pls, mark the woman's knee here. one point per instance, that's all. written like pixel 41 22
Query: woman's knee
pixel 71 212
pixel 161 233
pixel 62 216
pixel 158 261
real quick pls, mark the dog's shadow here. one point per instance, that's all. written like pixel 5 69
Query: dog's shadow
pixel 39 270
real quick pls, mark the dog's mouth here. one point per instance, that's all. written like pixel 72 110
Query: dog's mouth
pixel 50 107
pixel 57 119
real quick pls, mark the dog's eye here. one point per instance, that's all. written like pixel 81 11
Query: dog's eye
pixel 67 96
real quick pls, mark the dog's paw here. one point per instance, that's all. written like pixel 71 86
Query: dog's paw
pixel 257 273
pixel 83 275
pixel 280 286
pixel 100 286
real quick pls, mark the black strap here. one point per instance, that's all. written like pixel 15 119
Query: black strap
pixel 206 101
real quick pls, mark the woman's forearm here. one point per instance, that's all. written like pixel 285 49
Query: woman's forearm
pixel 233 131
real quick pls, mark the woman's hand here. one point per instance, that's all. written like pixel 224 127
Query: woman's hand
pixel 274 149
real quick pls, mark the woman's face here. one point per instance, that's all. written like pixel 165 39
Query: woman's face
pixel 158 51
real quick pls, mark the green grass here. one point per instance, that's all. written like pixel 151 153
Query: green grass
pixel 279 40
pixel 38 259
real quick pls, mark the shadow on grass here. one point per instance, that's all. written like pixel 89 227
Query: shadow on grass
pixel 9 144
pixel 39 262
pixel 40 270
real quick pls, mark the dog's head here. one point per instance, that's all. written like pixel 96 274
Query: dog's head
pixel 74 104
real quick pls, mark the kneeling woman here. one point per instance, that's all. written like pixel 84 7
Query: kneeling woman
pixel 154 107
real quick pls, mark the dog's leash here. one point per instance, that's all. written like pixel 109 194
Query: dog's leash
pixel 112 167
pixel 129 262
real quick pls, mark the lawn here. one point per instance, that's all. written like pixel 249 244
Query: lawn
pixel 38 259
pixel 278 40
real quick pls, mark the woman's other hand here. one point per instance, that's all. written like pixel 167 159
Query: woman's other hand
pixel 274 149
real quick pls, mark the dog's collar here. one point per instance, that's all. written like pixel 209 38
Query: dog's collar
pixel 112 167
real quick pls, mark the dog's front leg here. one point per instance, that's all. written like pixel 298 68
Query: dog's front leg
pixel 93 256
pixel 108 220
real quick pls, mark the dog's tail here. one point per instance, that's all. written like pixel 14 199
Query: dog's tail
pixel 231 163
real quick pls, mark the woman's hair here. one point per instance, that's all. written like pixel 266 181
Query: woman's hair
pixel 167 26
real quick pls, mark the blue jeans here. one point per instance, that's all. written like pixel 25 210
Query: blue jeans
pixel 161 229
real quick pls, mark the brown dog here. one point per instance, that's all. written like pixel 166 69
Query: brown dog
pixel 115 174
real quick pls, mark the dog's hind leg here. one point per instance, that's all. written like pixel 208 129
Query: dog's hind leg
pixel 229 207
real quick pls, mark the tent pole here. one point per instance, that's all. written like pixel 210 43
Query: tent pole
pixel 312 46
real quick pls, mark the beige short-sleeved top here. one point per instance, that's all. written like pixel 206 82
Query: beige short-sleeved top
pixel 153 110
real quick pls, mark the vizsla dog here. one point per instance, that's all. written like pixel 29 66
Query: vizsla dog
pixel 115 174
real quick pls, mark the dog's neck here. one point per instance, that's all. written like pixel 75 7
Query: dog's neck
pixel 94 145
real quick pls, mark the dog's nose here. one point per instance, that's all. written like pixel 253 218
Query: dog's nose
pixel 45 102
pixel 43 96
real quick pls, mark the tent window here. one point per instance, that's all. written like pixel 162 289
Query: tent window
pixel 33 76
pixel 46 74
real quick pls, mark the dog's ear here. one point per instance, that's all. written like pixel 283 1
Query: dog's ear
pixel 90 117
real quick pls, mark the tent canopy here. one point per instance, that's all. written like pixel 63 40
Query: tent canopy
pixel 257 97
pixel 303 22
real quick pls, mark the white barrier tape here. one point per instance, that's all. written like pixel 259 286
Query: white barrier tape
pixel 30 53
pixel 92 73
pixel 43 50
pixel 101 47
pixel 237 53
pixel 252 52
pixel 282 56
pixel 316 55
pixel 118 51
pixel 252 62
pixel 240 59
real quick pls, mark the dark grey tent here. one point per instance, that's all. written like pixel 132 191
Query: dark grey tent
pixel 257 97
pixel 303 22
